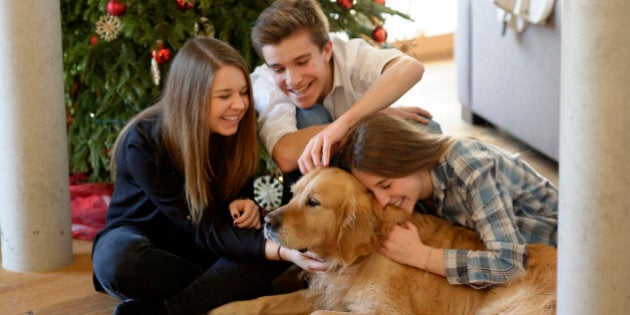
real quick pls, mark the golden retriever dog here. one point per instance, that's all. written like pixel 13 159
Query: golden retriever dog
pixel 334 216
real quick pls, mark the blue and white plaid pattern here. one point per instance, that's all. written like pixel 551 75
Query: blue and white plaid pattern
pixel 502 197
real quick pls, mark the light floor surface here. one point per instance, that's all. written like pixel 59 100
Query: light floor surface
pixel 70 290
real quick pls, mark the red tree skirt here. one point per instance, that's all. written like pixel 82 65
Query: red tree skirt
pixel 88 205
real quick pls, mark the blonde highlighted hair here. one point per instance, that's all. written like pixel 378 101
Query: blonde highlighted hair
pixel 390 147
pixel 215 167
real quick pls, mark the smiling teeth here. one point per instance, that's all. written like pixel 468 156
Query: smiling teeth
pixel 398 203
pixel 230 118
pixel 302 90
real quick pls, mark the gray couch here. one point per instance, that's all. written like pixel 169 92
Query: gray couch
pixel 511 81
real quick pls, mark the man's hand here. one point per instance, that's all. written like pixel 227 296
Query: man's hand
pixel 319 149
pixel 414 113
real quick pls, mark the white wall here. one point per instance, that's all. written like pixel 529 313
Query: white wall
pixel 430 18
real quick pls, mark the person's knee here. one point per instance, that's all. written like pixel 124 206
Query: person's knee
pixel 314 116
pixel 117 261
pixel 434 127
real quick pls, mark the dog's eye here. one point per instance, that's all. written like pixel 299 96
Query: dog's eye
pixel 312 202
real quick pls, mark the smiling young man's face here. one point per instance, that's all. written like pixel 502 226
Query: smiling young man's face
pixel 301 70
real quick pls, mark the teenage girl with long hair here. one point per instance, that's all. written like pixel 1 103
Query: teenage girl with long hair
pixel 183 233
pixel 464 181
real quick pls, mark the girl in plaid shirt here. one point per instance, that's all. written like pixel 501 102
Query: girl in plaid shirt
pixel 464 181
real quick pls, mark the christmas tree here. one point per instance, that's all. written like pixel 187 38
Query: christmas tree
pixel 116 52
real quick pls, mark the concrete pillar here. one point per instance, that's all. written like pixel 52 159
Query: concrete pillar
pixel 594 230
pixel 34 188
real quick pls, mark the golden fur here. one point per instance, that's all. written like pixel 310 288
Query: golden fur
pixel 334 216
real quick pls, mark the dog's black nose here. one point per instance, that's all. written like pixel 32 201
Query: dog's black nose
pixel 271 221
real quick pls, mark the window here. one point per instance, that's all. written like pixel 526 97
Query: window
pixel 430 18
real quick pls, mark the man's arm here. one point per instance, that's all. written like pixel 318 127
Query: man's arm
pixel 277 121
pixel 397 77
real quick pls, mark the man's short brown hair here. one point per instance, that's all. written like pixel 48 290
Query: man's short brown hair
pixel 285 17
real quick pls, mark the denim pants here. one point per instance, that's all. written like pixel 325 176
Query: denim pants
pixel 314 116
pixel 130 265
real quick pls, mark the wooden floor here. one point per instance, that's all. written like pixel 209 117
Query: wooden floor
pixel 66 291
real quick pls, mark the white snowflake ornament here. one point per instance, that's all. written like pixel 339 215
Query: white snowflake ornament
pixel 268 192
pixel 108 27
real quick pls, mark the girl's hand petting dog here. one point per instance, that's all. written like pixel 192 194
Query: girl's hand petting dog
pixel 307 261
pixel 402 244
pixel 245 213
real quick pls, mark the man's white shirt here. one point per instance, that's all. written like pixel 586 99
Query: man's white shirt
pixel 356 64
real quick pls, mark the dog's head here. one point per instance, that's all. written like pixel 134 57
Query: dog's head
pixel 332 215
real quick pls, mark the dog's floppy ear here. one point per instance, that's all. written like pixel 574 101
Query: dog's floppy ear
pixel 391 216
pixel 358 229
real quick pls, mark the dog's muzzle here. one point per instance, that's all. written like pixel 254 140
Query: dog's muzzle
pixel 272 226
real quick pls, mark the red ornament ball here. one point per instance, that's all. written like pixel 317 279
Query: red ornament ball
pixel 184 4
pixel 93 41
pixel 345 4
pixel 116 8
pixel 379 34
pixel 161 55
pixel 381 2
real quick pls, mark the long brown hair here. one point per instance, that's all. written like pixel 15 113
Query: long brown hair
pixel 390 147
pixel 215 167
pixel 285 17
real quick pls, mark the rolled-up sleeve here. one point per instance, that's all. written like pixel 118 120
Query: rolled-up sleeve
pixel 276 113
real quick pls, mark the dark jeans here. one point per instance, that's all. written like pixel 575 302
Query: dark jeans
pixel 129 265
pixel 314 116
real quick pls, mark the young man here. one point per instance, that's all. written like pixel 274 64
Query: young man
pixel 314 86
